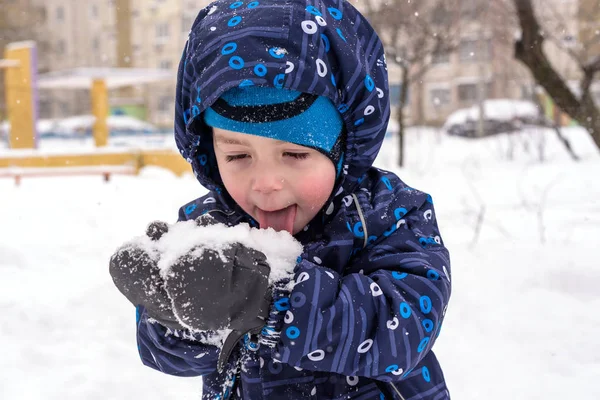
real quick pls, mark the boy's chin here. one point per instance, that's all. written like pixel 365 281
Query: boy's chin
pixel 297 229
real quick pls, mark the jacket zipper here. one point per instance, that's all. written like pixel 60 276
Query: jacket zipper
pixel 397 391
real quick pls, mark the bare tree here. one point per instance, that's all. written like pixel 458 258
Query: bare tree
pixel 413 33
pixel 529 49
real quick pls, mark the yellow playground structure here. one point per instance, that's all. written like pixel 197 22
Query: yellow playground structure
pixel 24 158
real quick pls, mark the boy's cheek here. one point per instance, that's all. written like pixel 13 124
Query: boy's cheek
pixel 316 188
pixel 235 188
pixel 237 192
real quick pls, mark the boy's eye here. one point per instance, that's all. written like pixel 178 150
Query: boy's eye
pixel 235 157
pixel 298 156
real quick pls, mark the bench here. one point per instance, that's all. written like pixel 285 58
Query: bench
pixel 17 173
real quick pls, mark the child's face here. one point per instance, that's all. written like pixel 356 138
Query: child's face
pixel 280 184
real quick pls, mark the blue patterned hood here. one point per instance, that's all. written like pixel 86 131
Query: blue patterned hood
pixel 323 48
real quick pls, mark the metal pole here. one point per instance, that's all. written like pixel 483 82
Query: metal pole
pixel 100 111
pixel 21 93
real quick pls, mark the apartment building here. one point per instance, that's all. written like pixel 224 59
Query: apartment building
pixel 114 33
pixel 159 29
pixel 485 56
pixel 79 34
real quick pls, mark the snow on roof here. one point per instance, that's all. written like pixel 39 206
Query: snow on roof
pixel 82 78
pixel 116 122
pixel 22 44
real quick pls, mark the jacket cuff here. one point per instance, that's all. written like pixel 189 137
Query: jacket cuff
pixel 271 332
pixel 212 338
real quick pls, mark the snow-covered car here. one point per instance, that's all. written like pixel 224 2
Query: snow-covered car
pixel 500 115
pixel 82 126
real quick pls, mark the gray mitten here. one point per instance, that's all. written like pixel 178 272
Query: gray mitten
pixel 210 292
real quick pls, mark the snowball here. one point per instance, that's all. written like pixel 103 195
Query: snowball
pixel 280 248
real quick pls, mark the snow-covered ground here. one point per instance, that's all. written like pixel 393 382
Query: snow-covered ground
pixel 522 323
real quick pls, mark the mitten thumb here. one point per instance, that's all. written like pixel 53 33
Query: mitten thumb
pixel 156 229
pixel 236 335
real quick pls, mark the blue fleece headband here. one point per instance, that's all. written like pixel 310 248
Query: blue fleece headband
pixel 280 114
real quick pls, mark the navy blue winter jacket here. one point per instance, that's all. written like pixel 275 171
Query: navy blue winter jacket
pixel 373 283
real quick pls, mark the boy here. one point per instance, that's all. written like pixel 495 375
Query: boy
pixel 281 109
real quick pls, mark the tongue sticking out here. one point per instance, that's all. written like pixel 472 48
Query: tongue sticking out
pixel 281 220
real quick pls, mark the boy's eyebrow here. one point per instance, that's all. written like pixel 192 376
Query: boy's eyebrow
pixel 226 140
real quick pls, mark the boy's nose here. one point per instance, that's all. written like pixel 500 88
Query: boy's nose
pixel 267 181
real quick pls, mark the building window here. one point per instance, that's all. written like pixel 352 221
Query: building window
pixel 162 32
pixel 440 16
pixel 469 8
pixel 186 22
pixel 65 110
pixel 489 89
pixel 439 97
pixel 165 104
pixel 94 11
pixel 61 47
pixel 467 50
pixel 95 43
pixel 395 95
pixel 470 50
pixel 440 57
pixel 165 64
pixel 60 14
pixel 42 14
pixel 45 109
pixel 467 93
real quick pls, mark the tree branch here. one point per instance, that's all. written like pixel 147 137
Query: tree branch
pixel 589 71
pixel 529 50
